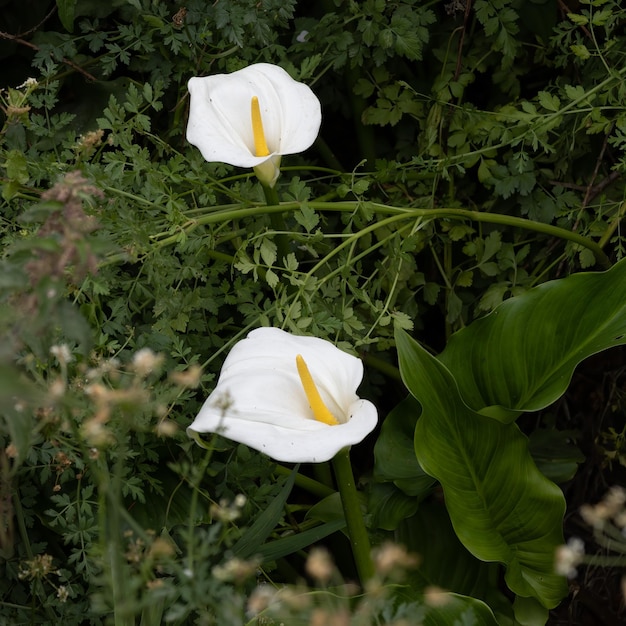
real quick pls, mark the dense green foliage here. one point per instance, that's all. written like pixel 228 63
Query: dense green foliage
pixel 469 152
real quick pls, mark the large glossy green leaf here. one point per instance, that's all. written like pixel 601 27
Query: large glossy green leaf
pixel 522 356
pixel 555 453
pixel 462 610
pixel 388 505
pixel 394 454
pixel 444 561
pixel 444 609
pixel 501 506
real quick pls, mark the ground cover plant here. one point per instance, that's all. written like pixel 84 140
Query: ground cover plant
pixel 439 242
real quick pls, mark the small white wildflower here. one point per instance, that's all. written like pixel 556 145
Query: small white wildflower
pixel 96 433
pixel 225 511
pixel 392 558
pixel 436 596
pixel 57 388
pixel 29 83
pixel 597 515
pixel 320 565
pixel 236 570
pixel 190 378
pixel 302 37
pixel 107 367
pixel 166 428
pixel 569 556
pixel 615 500
pixel 61 353
pixel 63 593
pixel 260 599
pixel 145 361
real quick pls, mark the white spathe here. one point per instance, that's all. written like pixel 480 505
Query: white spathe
pixel 220 121
pixel 259 399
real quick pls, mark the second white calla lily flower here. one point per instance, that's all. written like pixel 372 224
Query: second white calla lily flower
pixel 291 397
pixel 250 118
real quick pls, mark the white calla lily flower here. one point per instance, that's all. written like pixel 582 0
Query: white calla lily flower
pixel 291 397
pixel 250 118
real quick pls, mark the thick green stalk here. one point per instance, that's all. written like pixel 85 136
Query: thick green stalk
pixel 122 611
pixel 282 243
pixel 311 485
pixel 271 195
pixel 195 481
pixel 221 215
pixel 357 532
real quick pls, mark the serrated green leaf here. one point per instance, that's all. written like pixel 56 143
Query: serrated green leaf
pixel 271 278
pixel 309 65
pixel 464 279
pixel 575 92
pixel 10 189
pixel 586 258
pixel 458 231
pixel 577 18
pixel 307 217
pixel 454 307
pixel 431 292
pixel 484 170
pixel 402 320
pixel 549 101
pixel 16 166
pixel 600 18
pixel 268 251
pixel 489 269
pixel 492 243
pixel 581 51
pixel 493 296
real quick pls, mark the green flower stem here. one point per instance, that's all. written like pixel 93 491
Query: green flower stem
pixel 323 474
pixel 111 488
pixel 308 484
pixel 327 155
pixel 195 482
pixel 271 195
pixel 282 243
pixel 382 366
pixel 354 519
pixel 225 214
